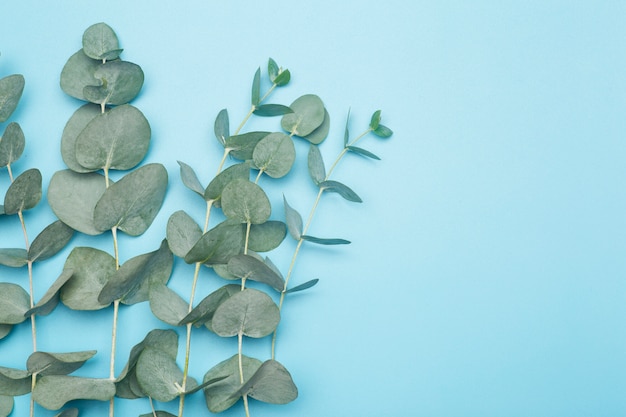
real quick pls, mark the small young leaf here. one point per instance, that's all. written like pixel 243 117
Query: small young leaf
pixel 182 233
pixel 13 257
pixel 341 189
pixel 12 144
pixel 91 268
pixel 266 236
pixel 271 110
pixel 223 394
pixel 249 267
pixel 24 193
pixel 54 391
pixel 11 88
pixel 218 244
pixel 294 220
pixel 321 241
pixel 249 312
pixel 120 82
pixel 304 286
pixel 14 302
pixel 45 363
pixel 316 165
pixel 14 382
pixel 256 88
pixel 79 120
pixel 318 135
pixel 50 241
pixel 133 202
pixel 100 42
pixel 51 298
pixel 308 115
pixel 363 152
pixel 272 69
pixel 383 131
pixel 190 179
pixel 242 146
pixel 78 73
pixel 271 383
pixel 166 305
pixel 158 375
pixel 216 186
pixel 221 126
pixel 283 78
pixel 245 202
pixel 375 122
pixel 73 198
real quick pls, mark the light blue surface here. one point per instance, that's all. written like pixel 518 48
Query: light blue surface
pixel 486 273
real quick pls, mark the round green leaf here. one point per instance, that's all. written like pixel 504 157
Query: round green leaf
pixel 50 241
pixel 133 202
pixel 92 269
pixel 54 391
pixel 5 329
pixel 13 257
pixel 46 363
pixel 11 144
pixel 266 236
pixel 50 299
pixel 318 135
pixel 24 193
pixel 6 405
pixel 167 305
pixel 120 82
pixel 271 383
pixel 78 73
pixel 116 139
pixel 218 244
pixel 159 376
pixel 216 186
pixel 250 267
pixel 100 42
pixel 79 120
pixel 14 381
pixel 275 154
pixel 242 146
pixel 182 233
pixel 308 115
pixel 245 202
pixel 249 312
pixel 294 220
pixel 73 199
pixel 14 302
pixel 223 394
pixel 11 88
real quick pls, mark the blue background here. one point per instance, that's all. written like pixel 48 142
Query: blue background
pixel 486 273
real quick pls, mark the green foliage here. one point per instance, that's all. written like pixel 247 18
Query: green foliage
pixel 11 88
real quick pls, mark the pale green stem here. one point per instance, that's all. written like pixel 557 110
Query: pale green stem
pixel 252 109
pixel 241 380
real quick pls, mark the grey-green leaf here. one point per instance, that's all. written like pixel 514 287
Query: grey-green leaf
pixel 78 73
pixel 216 186
pixel 362 152
pixel 51 298
pixel 54 391
pixel 74 126
pixel 221 126
pixel 100 42
pixel 13 257
pixel 304 286
pixel 318 135
pixel 190 179
pixel 308 115
pixel 317 170
pixel 68 412
pixel 223 394
pixel 375 121
pixel 24 193
pixel 249 312
pixel 275 154
pixel 73 198
pixel 116 139
pixel 294 220
pixel 249 267
pixel 271 110
pixel 218 244
pixel 324 241
pixel 242 146
pixel 182 233
pixel 14 302
pixel 256 88
pixel 203 312
pixel 271 383
pixel 6 405
pixel 5 329
pixel 11 88
pixel 120 82
pixel 50 241
pixel 341 189
pixel 383 131
pixel 266 236
pixel 14 382
pixel 133 202
pixel 245 202
pixel 92 268
pixel 272 69
pixel 159 376
pixel 12 144
pixel 166 305
pixel 46 363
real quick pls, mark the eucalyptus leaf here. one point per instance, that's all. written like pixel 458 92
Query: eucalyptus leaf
pixel 166 305
pixel 50 241
pixel 68 412
pixel 14 302
pixel 222 395
pixel 46 363
pixel 78 73
pixel 341 189
pixel 5 329
pixel 256 88
pixel 11 88
pixel 77 123
pixel 308 115
pixel 271 383
pixel 317 170
pixel 266 236
pixel 272 69
pixel 13 257
pixel 271 110
pixel 216 186
pixel 362 152
pixel 51 298
pixel 12 144
pixel 375 121
pixel 159 376
pixel 245 202
pixel 190 179
pixel 182 233
pixel 6 405
pixel 294 220
pixel 100 42
pixel 203 313
pixel 321 133
pixel 275 154
pixel 14 382
pixel 73 198
pixel 24 193
pixel 249 312
pixel 218 244
pixel 120 82
pixel 54 391
pixel 346 132
pixel 323 241
pixel 116 139
pixel 92 268
pixel 242 146
pixel 158 413
pixel 304 286
pixel 132 203
pixel 383 131
pixel 249 267
pixel 221 127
